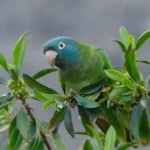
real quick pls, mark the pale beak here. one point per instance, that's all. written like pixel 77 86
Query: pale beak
pixel 51 56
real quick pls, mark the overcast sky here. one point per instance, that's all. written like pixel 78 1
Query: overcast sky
pixel 95 22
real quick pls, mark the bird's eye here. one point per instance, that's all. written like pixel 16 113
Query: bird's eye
pixel 61 45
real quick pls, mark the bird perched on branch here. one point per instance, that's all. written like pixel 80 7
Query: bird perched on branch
pixel 79 65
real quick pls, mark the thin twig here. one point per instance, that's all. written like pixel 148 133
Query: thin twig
pixel 28 109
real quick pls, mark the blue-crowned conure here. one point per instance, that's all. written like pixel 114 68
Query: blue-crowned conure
pixel 79 65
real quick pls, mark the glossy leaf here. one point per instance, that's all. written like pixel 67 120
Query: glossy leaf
pixel 118 76
pixel 145 101
pixel 143 61
pixel 123 117
pixel 126 146
pixel 96 139
pixel 23 122
pixel 142 39
pixel 31 133
pixel 39 96
pixel 68 122
pixel 57 118
pixel 36 144
pixel 118 91
pixel 102 124
pixel 143 128
pixel 57 142
pixel 124 36
pixel 85 102
pixel 2 80
pixel 131 65
pixel 14 136
pixel 16 140
pixel 6 98
pixel 43 73
pixel 87 145
pixel 3 62
pixel 93 88
pixel 48 103
pixel 14 73
pixel 110 139
pixel 122 46
pixel 3 105
pixel 113 120
pixel 11 127
pixel 19 51
pixel 134 120
pixel 131 40
pixel 147 82
pixel 84 118
pixel 37 86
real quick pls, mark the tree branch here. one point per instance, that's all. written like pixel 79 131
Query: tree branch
pixel 28 109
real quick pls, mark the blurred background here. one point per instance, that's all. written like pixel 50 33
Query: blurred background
pixel 95 22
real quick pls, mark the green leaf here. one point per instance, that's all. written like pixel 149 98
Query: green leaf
pixel 31 131
pixel 57 118
pixel 134 120
pixel 15 137
pixel 12 126
pixel 37 86
pixel 87 145
pixel 147 82
pixel 118 91
pixel 110 139
pixel 68 122
pixel 3 105
pixel 131 65
pixel 16 140
pixel 144 128
pixel 131 40
pixel 124 36
pixel 118 76
pixel 23 122
pixel 143 61
pixel 145 101
pixel 48 103
pixel 93 88
pixel 39 96
pixel 2 81
pixel 19 51
pixel 57 142
pixel 3 62
pixel 85 102
pixel 36 144
pixel 142 39
pixel 14 73
pixel 43 73
pixel 84 118
pixel 123 117
pixel 6 98
pixel 122 47
pixel 113 120
pixel 102 124
pixel 126 145
pixel 96 139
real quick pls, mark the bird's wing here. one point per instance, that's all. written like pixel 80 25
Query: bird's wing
pixel 107 63
pixel 62 84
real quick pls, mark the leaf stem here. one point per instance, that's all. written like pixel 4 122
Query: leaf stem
pixel 28 109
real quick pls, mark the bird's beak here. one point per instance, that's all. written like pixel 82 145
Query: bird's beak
pixel 51 56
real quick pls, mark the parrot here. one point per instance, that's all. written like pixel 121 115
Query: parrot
pixel 79 64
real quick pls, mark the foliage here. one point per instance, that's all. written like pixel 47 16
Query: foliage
pixel 118 117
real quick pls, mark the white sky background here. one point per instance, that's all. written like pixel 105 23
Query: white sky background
pixel 95 22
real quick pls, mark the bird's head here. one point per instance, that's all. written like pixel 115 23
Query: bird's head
pixel 62 52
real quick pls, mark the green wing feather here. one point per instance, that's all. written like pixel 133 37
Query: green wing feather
pixel 107 64
pixel 62 84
